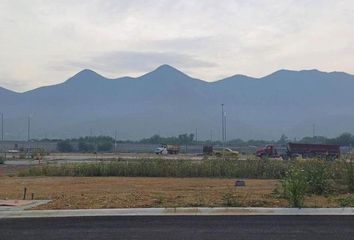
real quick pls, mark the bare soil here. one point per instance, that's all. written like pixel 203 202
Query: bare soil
pixel 132 192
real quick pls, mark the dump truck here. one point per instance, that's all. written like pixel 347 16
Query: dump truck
pixel 299 149
pixel 168 149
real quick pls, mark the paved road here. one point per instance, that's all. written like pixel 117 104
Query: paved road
pixel 180 227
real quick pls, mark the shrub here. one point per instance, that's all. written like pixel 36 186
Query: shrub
pixel 317 175
pixel 347 201
pixel 349 175
pixel 295 186
pixel 2 160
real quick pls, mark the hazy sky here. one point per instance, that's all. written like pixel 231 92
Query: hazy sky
pixel 43 42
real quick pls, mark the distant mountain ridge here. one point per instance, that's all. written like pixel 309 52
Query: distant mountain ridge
pixel 168 102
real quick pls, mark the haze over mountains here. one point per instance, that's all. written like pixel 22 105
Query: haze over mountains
pixel 169 102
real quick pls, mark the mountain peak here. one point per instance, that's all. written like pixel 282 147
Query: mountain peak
pixel 85 76
pixel 165 68
pixel 286 73
pixel 166 72
pixel 86 73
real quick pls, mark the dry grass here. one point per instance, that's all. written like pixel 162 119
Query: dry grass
pixel 130 192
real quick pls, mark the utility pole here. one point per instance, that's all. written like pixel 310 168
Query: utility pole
pixel 2 132
pixel 225 126
pixel 196 135
pixel 28 135
pixel 115 142
pixel 2 127
pixel 313 130
pixel 211 135
pixel 222 124
pixel 28 128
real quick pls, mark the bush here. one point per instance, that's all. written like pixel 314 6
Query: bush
pixel 38 154
pixel 295 186
pixel 2 160
pixel 317 175
pixel 347 201
pixel 349 175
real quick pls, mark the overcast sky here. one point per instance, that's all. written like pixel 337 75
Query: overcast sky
pixel 43 42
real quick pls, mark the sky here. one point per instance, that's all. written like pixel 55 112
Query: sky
pixel 44 42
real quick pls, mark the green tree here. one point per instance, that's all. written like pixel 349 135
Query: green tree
pixel 65 146
pixel 283 139
pixel 105 147
pixel 86 147
pixel 345 139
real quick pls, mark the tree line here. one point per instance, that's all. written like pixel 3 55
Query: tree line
pixel 106 143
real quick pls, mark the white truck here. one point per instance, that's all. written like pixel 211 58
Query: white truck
pixel 167 149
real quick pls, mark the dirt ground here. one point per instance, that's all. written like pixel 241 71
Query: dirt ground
pixel 129 192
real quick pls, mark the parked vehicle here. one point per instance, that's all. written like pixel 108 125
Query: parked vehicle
pixel 226 152
pixel 167 149
pixel 300 149
pixel 272 151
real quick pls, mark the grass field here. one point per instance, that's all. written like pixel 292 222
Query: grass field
pixel 133 192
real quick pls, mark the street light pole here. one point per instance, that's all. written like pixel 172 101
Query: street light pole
pixel 222 123
pixel 196 135
pixel 28 128
pixel 115 142
pixel 2 132
pixel 28 136
pixel 2 127
pixel 225 126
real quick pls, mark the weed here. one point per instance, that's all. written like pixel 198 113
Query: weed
pixel 159 199
pixel 230 199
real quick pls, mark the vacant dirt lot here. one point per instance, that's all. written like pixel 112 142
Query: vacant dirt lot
pixel 121 192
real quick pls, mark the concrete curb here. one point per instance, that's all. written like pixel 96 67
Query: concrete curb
pixel 31 204
pixel 175 212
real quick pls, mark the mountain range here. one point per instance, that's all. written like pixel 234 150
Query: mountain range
pixel 168 102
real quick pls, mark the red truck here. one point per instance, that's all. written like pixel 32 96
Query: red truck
pixel 300 149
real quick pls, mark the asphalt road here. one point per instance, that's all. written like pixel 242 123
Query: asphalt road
pixel 179 227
